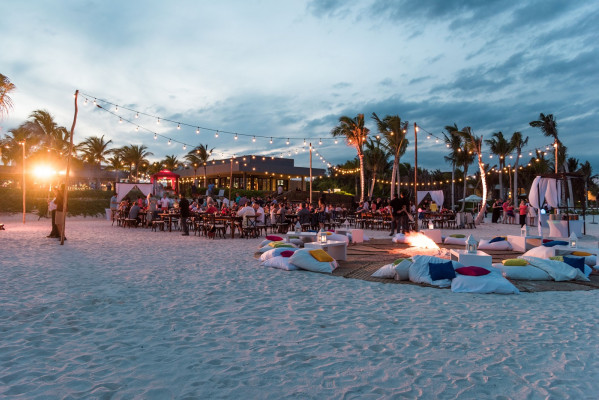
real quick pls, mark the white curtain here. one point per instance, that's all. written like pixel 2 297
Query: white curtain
pixel 123 188
pixel 436 195
pixel 544 190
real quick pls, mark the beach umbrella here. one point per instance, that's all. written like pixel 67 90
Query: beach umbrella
pixel 472 199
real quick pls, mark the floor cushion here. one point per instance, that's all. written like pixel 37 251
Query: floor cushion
pixel 540 252
pixel 473 271
pixel 455 240
pixel 497 239
pixel 515 262
pixel 575 262
pixel 419 270
pixel 441 270
pixel 555 243
pixel 490 283
pixel 280 263
pixel 525 273
pixel 274 238
pixel 274 253
pixel 402 270
pixel 304 260
pixel 386 271
pixel 501 245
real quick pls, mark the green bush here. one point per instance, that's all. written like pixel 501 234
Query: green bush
pixel 80 202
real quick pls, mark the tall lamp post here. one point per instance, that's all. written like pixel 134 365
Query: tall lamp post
pixel 310 174
pixel 416 172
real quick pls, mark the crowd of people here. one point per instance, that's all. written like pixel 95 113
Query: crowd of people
pixel 505 212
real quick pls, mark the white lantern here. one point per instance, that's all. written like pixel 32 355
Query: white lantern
pixel 471 245
pixel 524 231
pixel 298 227
pixel 322 236
pixel 431 225
pixel 573 239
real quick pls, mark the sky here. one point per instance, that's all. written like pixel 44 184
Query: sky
pixel 290 69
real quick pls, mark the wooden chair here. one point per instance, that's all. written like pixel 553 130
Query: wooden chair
pixel 249 227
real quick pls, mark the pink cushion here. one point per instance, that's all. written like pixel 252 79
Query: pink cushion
pixel 472 271
pixel 274 238
pixel 287 253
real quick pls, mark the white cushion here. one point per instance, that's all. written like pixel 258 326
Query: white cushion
pixel 386 271
pixel 304 260
pixel 490 283
pixel 280 263
pixel 267 247
pixel 274 253
pixel 453 240
pixel 338 237
pixel 526 273
pixel 264 243
pixel 540 252
pixel 419 270
pixel 402 270
pixel 501 245
pixel 399 238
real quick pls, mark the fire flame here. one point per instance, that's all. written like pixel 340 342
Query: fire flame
pixel 417 239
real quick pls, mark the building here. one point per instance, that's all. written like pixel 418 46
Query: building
pixel 251 172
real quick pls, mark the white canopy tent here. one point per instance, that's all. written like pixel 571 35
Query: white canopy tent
pixel 123 188
pixel 436 195
pixel 544 190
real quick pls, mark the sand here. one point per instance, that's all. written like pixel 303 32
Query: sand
pixel 129 313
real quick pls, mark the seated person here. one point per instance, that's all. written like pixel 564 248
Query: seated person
pixel 134 212
pixel 246 211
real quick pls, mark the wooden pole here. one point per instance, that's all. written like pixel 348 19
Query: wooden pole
pixel 231 182
pixel 66 177
pixel 416 173
pixel 24 187
pixel 310 174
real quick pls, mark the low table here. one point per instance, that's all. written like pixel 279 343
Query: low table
pixel 523 243
pixel 478 259
pixel 336 249
pixel 433 234
pixel 564 250
pixel 357 235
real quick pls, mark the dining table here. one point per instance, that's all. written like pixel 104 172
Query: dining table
pixel 168 218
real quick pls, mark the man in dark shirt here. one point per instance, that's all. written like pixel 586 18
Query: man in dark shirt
pixel 400 209
pixel 184 207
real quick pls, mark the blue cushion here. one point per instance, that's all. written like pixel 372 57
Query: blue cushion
pixel 497 239
pixel 441 270
pixel 575 262
pixel 555 243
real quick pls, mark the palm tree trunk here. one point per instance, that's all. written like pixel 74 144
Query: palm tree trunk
pixel 452 187
pixel 361 157
pixel 465 183
pixel 501 164
pixel 515 187
pixel 483 178
pixel 393 175
pixel 371 192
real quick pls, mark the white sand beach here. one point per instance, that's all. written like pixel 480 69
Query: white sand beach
pixel 129 313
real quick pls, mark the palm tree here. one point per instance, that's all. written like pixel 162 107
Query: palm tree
pixel 95 149
pixel 517 143
pixel 454 144
pixel 6 87
pixel 199 156
pixel 587 172
pixel 376 159
pixel 474 146
pixel 54 137
pixel 355 133
pixel 394 131
pixel 501 148
pixel 464 157
pixel 11 144
pixel 170 162
pixel 133 156
pixel 115 163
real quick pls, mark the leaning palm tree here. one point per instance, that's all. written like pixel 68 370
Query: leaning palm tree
pixel 376 159
pixel 355 133
pixel 394 131
pixel 500 146
pixel 6 88
pixel 115 163
pixel 95 149
pixel 517 143
pixel 199 156
pixel 474 145
pixel 454 144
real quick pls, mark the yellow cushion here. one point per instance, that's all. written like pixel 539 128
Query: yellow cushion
pixel 557 258
pixel 329 233
pixel 321 255
pixel 515 262
pixel 273 244
pixel 457 235
pixel 581 253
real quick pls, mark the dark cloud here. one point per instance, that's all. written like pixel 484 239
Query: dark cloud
pixel 329 8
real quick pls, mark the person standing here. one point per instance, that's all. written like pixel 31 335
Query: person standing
pixel 184 208
pixel 395 209
pixel 60 210
pixel 496 211
pixel 523 211
pixel 164 203
pixel 52 209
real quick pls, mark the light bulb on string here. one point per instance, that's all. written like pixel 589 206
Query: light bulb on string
pixel 336 141
pixel 235 136
pixel 179 126
pixel 184 147
pixel 158 120
pixel 287 141
pixel 254 139
pixel 120 120
pixel 85 102
pixel 169 142
pixel 216 134
pixel 198 131
pixel 136 115
pixel 95 104
pixel 137 129
pixel 116 108
pixel 320 142
pixel 155 137
pixel 270 140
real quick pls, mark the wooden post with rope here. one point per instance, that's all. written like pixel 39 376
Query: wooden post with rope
pixel 66 178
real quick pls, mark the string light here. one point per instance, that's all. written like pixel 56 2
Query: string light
pixel 169 142
pixel 178 126
pixel 254 139
pixel 287 141
pixel 155 137
pixel 235 136
pixel 198 131
pixel 136 115
pixel 216 134
pixel 270 140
